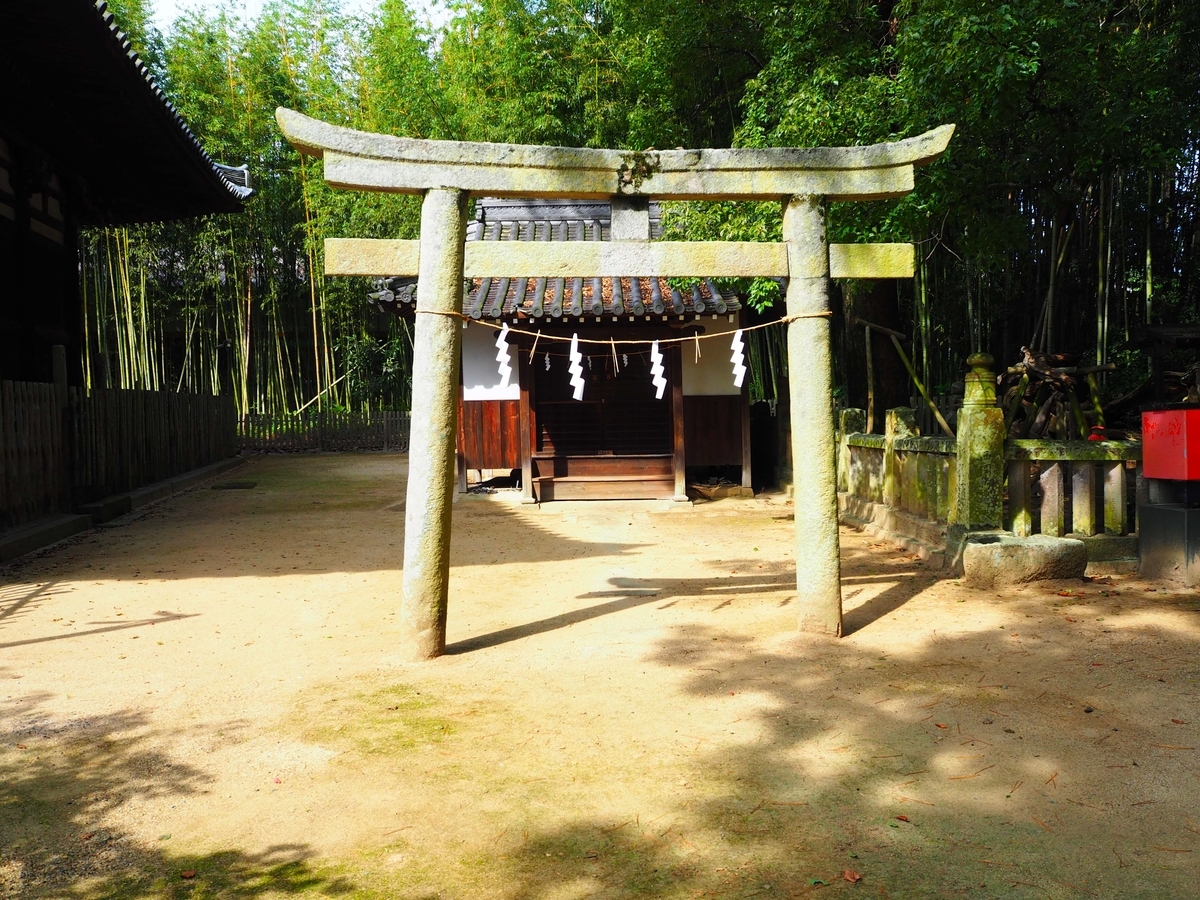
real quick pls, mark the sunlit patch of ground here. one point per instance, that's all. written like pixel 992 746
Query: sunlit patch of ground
pixel 214 688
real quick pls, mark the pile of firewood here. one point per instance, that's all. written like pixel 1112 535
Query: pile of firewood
pixel 1049 395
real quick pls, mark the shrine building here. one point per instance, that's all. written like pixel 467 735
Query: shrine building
pixel 621 440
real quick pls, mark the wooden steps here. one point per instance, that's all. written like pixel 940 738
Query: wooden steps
pixel 600 487
pixel 603 477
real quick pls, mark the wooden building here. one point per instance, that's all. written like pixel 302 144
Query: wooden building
pixel 620 441
pixel 86 139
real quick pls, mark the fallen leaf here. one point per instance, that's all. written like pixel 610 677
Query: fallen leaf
pixel 188 873
pixel 940 725
pixel 902 818
pixel 851 876
pixel 1176 721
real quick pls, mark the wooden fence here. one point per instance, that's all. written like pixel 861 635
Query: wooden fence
pixel 948 405
pixel 34 482
pixel 324 430
pixel 123 440
pixel 61 447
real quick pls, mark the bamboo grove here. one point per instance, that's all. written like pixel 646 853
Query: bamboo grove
pixel 1063 218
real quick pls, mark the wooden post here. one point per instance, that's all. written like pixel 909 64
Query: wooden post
pixel 747 479
pixel 460 456
pixel 1053 499
pixel 810 383
pixel 1083 497
pixel 437 340
pixel 525 426
pixel 678 451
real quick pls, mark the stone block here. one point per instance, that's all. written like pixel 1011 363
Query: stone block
pixel 993 559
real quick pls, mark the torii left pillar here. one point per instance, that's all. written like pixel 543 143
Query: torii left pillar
pixel 437 340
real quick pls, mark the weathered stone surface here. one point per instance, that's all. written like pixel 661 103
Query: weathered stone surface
pixel 810 367
pixel 898 423
pixel 1054 502
pixel 1097 451
pixel 613 259
pixel 357 159
pixel 431 466
pixel 851 421
pixel 616 258
pixel 629 218
pixel 363 256
pixel 854 421
pixel 993 559
pixel 872 260
pixel 1115 497
pixel 924 537
pixel 1083 498
pixel 981 468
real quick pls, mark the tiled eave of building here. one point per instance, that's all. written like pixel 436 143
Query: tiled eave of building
pixel 531 297
pixel 76 100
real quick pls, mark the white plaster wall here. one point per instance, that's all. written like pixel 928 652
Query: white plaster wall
pixel 481 371
pixel 713 373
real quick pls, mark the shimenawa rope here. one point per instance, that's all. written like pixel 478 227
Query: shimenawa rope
pixel 539 335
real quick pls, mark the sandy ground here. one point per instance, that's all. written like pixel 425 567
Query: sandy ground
pixel 212 686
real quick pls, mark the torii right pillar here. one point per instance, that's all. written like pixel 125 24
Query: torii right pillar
pixel 810 383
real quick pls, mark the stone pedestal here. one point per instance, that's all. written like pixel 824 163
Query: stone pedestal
pixel 979 503
pixel 980 450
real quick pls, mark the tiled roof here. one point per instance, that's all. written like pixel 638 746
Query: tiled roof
pixel 77 95
pixel 530 296
pixel 235 179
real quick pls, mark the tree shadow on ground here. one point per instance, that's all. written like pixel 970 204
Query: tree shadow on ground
pixel 1039 755
pixel 60 783
pixel 305 516
pixel 17 600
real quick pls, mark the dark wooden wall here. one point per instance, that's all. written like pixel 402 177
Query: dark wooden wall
pixel 489 434
pixel 39 279
pixel 713 430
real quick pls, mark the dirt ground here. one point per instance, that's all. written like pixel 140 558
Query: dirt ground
pixel 212 686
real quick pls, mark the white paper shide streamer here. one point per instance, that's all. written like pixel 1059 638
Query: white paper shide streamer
pixel 502 356
pixel 576 368
pixel 738 359
pixel 656 369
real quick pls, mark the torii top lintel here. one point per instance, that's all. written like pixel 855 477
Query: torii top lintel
pixel 376 162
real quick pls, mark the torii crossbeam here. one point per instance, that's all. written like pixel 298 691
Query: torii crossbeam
pixel 447 173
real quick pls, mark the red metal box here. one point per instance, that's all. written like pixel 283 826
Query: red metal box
pixel 1171 444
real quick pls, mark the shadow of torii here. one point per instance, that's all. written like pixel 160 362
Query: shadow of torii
pixel 896 589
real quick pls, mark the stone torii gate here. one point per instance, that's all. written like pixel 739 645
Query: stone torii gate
pixel 447 173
